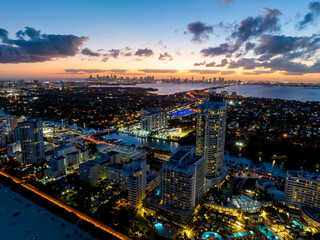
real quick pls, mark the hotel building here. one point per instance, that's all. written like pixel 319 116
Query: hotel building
pixel 152 120
pixel 210 138
pixel 302 189
pixel 182 183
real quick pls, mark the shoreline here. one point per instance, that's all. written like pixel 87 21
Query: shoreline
pixel 66 211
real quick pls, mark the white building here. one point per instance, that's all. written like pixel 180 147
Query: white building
pixel 302 189
pixel 93 171
pixel 153 120
pixel 131 176
pixel 64 149
pixel 126 153
pixel 182 182
pixel 13 147
pixel 210 138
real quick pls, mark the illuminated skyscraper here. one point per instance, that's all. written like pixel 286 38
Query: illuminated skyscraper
pixel 182 180
pixel 211 128
pixel 30 134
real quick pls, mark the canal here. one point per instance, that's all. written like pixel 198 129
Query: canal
pixel 173 147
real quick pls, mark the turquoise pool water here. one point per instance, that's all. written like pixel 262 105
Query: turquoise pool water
pixel 267 232
pixel 251 232
pixel 164 231
pixel 299 225
pixel 240 234
pixel 208 234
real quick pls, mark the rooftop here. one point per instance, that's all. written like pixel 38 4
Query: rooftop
pixel 303 175
pixel 183 159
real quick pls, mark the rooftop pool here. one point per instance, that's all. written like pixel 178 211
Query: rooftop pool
pixel 163 231
pixel 211 235
pixel 299 225
pixel 242 234
pixel 267 232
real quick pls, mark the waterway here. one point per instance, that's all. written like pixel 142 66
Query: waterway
pixel 174 146
pixel 302 94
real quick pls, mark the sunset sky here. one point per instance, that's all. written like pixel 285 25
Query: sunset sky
pixel 236 39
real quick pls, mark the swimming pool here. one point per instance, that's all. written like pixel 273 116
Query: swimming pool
pixel 211 234
pixel 164 231
pixel 240 234
pixel 181 113
pixel 251 232
pixel 267 232
pixel 299 225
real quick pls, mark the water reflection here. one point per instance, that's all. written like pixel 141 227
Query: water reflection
pixel 173 147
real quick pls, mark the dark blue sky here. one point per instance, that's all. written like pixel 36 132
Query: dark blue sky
pixel 190 37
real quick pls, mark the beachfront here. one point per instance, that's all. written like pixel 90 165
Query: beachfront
pixel 20 218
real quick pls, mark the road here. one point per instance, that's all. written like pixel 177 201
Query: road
pixel 81 215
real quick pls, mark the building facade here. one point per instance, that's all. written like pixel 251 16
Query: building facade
pixel 30 134
pixel 210 138
pixel 152 120
pixel 131 176
pixel 182 182
pixel 93 171
pixel 302 189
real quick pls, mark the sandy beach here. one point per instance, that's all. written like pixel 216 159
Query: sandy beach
pixel 20 219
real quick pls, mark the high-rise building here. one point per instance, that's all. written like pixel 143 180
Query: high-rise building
pixel 210 138
pixel 182 182
pixel 131 176
pixel 152 120
pixel 302 189
pixel 93 171
pixel 30 135
pixel 2 135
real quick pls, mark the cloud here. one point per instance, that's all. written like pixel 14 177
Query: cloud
pixel 223 49
pixel 113 53
pixel 259 72
pixel 246 63
pixel 200 31
pixel 282 64
pixel 222 3
pixel 291 47
pixel 118 70
pixel 144 52
pixel 250 46
pixel 88 52
pixel 165 57
pixel 212 64
pixel 81 70
pixel 227 72
pixel 250 27
pixel 32 46
pixel 158 70
pixel 223 63
pixel 199 71
pixel 255 26
pixel 290 67
pixel 311 16
pixel 199 64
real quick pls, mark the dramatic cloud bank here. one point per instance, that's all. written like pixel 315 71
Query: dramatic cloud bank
pixel 32 46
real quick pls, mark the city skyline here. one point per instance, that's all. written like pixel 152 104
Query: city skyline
pixel 259 40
